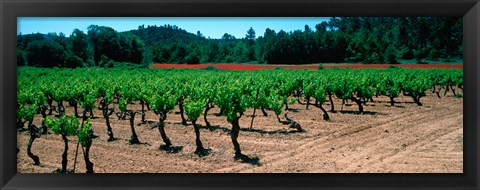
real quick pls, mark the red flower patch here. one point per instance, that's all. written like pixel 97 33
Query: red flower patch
pixel 249 67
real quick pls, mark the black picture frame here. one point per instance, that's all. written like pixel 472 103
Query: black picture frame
pixel 11 9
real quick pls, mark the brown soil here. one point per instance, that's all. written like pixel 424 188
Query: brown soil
pixel 404 138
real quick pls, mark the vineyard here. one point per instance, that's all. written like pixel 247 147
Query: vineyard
pixel 181 120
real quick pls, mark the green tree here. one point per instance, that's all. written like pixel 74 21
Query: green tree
pixel 250 37
pixel 73 61
pixel 104 41
pixel 241 53
pixel 193 53
pixel 21 57
pixel 78 45
pixel 228 37
pixel 45 53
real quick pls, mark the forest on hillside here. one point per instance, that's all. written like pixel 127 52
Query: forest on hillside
pixel 341 39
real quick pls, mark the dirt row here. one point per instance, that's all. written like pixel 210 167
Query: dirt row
pixel 404 138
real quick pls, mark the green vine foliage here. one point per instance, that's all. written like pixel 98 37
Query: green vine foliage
pixel 27 112
pixel 233 92
pixel 163 102
pixel 63 125
pixel 85 134
pixel 194 109
pixel 89 100
pixel 233 100
pixel 415 83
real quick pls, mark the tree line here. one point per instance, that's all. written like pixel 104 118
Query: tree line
pixel 345 39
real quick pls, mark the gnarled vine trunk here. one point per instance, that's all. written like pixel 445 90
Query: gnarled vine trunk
pixel 264 112
pixel 148 105
pixel 205 113
pixel 234 136
pixel 91 112
pixel 65 153
pixel 392 101
pixel 326 117
pixel 198 142
pixel 75 105
pixel 447 88
pixel 308 102
pixel 453 90
pixel 416 99
pixel 325 114
pixel 86 153
pixel 437 91
pixel 359 103
pixel 43 110
pixel 161 128
pixel 180 106
pixel 50 101
pixel 106 115
pixel 298 94
pixel 332 106
pixel 61 108
pixel 134 138
pixel 109 129
pixel 34 133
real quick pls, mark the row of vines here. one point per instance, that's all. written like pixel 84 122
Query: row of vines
pixel 46 92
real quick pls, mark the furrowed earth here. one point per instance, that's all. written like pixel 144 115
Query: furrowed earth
pixel 404 138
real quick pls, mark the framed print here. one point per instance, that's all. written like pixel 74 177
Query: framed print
pixel 235 94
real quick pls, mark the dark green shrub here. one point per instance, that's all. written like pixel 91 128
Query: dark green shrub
pixel 433 55
pixel 373 58
pixel 420 54
pixel 21 58
pixel 45 53
pixel 320 67
pixel 105 62
pixel 229 59
pixel 211 68
pixel 390 55
pixel 73 61
pixel 192 59
pixel 393 67
pixel 406 53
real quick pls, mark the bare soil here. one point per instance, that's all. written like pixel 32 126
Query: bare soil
pixel 404 138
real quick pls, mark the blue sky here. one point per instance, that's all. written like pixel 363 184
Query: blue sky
pixel 213 27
